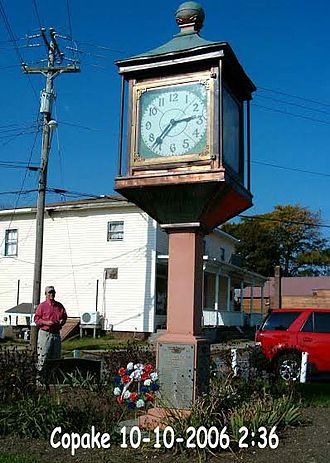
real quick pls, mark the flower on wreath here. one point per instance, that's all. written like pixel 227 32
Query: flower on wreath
pixel 127 395
pixel 153 376
pixel 140 403
pixel 130 366
pixel 134 396
pixel 143 378
pixel 117 391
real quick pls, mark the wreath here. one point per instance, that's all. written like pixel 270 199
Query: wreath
pixel 136 385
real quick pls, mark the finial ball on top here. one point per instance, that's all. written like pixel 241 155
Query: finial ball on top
pixel 190 14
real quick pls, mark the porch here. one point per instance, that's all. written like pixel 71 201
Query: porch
pixel 224 285
pixel 223 294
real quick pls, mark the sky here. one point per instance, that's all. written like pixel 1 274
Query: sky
pixel 283 46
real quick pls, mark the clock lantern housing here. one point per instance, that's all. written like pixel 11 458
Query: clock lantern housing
pixel 187 152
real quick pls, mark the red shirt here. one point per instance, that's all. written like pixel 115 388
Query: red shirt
pixel 53 311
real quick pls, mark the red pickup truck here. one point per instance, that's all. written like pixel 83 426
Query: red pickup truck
pixel 286 333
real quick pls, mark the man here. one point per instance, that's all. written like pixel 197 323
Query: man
pixel 50 317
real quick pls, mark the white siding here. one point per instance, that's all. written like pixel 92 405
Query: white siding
pixel 215 241
pixel 17 268
pixel 76 252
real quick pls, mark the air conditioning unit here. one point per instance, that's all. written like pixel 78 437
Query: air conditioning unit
pixel 90 318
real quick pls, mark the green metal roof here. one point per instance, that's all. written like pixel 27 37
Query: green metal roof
pixel 180 42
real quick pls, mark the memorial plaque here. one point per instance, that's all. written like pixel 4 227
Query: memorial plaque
pixel 176 373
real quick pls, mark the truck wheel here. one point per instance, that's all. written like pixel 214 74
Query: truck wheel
pixel 288 366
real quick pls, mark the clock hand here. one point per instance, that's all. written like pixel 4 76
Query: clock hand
pixel 159 139
pixel 185 119
pixel 167 129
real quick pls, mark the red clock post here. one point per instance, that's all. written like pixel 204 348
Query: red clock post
pixel 186 161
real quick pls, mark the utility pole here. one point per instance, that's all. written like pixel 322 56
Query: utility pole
pixel 52 70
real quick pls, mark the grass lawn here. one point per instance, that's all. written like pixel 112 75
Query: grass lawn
pixel 316 394
pixel 9 458
pixel 102 343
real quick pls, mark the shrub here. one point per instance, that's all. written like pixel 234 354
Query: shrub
pixel 233 403
pixel 18 374
pixel 264 411
pixel 33 417
pixel 86 409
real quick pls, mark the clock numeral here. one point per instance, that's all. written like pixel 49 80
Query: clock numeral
pixel 196 133
pixel 195 107
pixel 172 147
pixel 152 137
pixel 153 111
pixel 161 101
pixel 173 97
pixel 187 99
pixel 199 120
pixel 148 125
pixel 185 143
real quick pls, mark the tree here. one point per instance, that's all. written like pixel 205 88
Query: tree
pixel 288 236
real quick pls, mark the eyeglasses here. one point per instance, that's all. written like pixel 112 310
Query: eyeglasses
pixel 51 292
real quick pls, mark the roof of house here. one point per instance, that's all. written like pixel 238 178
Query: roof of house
pixel 293 286
pixel 24 308
pixel 303 286
pixel 97 201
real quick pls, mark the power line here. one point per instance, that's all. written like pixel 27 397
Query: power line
pixel 10 67
pixel 62 191
pixel 102 47
pixel 13 137
pixel 322 174
pixel 14 41
pixel 4 165
pixel 293 104
pixel 288 222
pixel 21 191
pixel 291 114
pixel 10 31
pixel 78 125
pixel 18 192
pixel 295 96
pixel 69 17
pixel 15 128
pixel 37 12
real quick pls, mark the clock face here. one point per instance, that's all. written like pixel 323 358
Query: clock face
pixel 173 121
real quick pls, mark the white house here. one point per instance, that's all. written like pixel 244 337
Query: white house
pixel 106 255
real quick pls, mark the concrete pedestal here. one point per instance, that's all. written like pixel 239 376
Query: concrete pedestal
pixel 182 352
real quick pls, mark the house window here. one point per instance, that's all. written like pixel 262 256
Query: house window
pixel 11 242
pixel 222 254
pixel 111 273
pixel 115 231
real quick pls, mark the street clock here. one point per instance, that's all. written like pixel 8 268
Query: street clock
pixel 184 136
